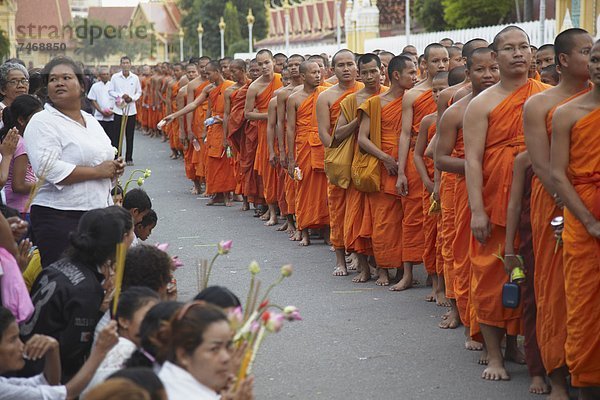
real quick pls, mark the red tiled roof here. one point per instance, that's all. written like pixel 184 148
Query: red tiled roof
pixel 158 14
pixel 116 16
pixel 45 19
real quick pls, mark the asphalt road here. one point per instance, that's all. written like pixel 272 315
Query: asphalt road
pixel 357 341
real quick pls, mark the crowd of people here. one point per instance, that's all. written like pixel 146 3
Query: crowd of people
pixel 476 160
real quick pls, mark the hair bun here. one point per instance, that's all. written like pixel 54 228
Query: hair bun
pixel 81 241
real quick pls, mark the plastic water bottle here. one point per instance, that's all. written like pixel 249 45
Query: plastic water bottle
pixel 210 121
pixel 196 144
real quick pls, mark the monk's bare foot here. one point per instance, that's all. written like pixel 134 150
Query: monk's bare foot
pixel 495 371
pixel 296 236
pixel 538 385
pixel 429 281
pixel 430 298
pixel 272 221
pixel 229 203
pixel 405 283
pixel 484 359
pixel 305 241
pixel 283 227
pixel 340 270
pixel 441 300
pixel 245 206
pixel 265 216
pixel 352 261
pixel 445 315
pixel 514 354
pixel 383 278
pixel 452 322
pixel 291 229
pixel 473 345
pixel 362 277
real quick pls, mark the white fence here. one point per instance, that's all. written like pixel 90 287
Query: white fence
pixel 420 40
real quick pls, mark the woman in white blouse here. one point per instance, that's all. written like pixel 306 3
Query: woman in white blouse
pixel 196 350
pixel 70 151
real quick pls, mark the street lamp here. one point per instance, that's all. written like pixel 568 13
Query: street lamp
pixel 222 26
pixel 407 22
pixel 180 44
pixel 250 20
pixel 286 15
pixel 200 31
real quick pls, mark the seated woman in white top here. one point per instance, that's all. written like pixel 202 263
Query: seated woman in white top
pixel 134 303
pixel 196 349
pixel 44 386
pixel 68 148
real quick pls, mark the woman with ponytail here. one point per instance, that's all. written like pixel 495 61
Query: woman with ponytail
pixel 67 295
pixel 20 178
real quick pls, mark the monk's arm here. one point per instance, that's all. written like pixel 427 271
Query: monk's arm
pixel 420 150
pixel 513 212
pixel 180 101
pixel 404 143
pixel 271 125
pixel 208 115
pixel 536 139
pixel 323 120
pixel 442 105
pixel 447 131
pixel 168 99
pixel 226 113
pixel 249 108
pixel 191 106
pixel 365 144
pixel 559 161
pixel 430 149
pixel 280 127
pixel 189 118
pixel 291 135
pixel 475 132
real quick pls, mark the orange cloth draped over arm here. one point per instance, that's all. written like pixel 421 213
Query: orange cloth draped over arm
pixel 261 162
pixel 174 126
pixel 220 176
pixel 581 254
pixel 430 222
pixel 412 205
pixel 311 191
pixel 197 124
pixel 236 121
pixel 336 195
pixel 384 207
pixel 503 142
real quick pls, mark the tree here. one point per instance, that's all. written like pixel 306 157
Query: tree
pixel 461 14
pixel 4 45
pixel 233 31
pixel 430 13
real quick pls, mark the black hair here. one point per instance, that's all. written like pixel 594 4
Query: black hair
pixel 368 58
pixel 319 57
pixel 456 75
pixel 6 318
pixel 147 266
pixel 137 198
pixel 132 300
pixel 98 233
pixel 552 70
pixel 398 63
pixel 158 315
pixel 219 296
pixel 226 58
pixel 446 38
pixel 36 84
pixel 563 43
pixel 194 60
pixel 143 377
pixel 480 50
pixel 280 55
pixel 473 44
pixel 216 65
pixel 23 106
pixel 124 58
pixel 453 50
pixel 116 190
pixel 207 58
pixel 431 47
pixel 149 219
pixel 62 60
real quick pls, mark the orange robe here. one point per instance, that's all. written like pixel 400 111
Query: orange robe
pixel 236 124
pixel 197 124
pixel 412 205
pixel 356 237
pixel 267 173
pixel 549 279
pixel 311 190
pixel 581 254
pixel 220 176
pixel 503 142
pixel 430 221
pixel 174 133
pixel 384 208
pixel 188 153
pixel 336 196
pixel 145 101
pixel 448 230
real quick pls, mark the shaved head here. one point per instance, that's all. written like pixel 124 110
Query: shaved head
pixel 343 51
pixel 472 45
pixel 498 38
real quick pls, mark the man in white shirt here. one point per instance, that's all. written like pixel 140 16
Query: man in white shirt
pixel 125 88
pixel 103 105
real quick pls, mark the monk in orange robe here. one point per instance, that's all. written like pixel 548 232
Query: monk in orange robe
pixel 257 101
pixel 306 154
pixel 430 192
pixel 328 111
pixel 417 103
pixel 191 73
pixel 220 176
pixel 549 277
pixel 356 234
pixel 575 155
pixel 378 136
pixel 172 91
pixel 493 135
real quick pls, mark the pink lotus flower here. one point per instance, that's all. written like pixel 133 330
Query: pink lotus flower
pixel 236 317
pixel 162 246
pixel 275 322
pixel 224 246
pixel 292 313
pixel 254 327
pixel 176 262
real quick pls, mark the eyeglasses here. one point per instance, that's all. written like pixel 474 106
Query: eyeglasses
pixel 16 82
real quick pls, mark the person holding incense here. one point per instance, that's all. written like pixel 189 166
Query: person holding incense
pixel 72 157
pixel 67 295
